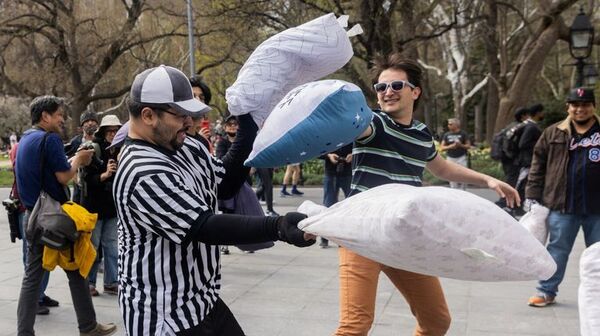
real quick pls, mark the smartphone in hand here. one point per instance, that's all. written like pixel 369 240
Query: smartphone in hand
pixel 205 124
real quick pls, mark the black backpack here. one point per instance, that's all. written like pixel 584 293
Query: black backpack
pixel 505 144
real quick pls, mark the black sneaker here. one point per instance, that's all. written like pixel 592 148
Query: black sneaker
pixel 284 193
pixel 48 302
pixel 42 310
pixel 296 192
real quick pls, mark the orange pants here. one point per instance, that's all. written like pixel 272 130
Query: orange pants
pixel 358 287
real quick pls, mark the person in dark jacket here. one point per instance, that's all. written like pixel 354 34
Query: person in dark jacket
pixel 338 175
pixel 97 198
pixel 88 122
pixel 509 165
pixel 528 136
pixel 200 129
pixel 565 177
pixel 231 126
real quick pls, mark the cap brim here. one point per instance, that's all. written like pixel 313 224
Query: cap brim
pixel 580 101
pixel 119 138
pixel 192 107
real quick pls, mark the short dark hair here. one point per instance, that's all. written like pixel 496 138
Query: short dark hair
pixel 48 104
pixel 520 113
pixel 535 109
pixel 135 108
pixel 197 82
pixel 414 72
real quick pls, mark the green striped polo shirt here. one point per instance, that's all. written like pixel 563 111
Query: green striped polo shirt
pixel 393 153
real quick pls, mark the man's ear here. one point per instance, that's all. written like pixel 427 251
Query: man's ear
pixel 148 116
pixel 45 116
pixel 416 93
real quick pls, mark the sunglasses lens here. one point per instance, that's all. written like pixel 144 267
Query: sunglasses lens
pixel 380 87
pixel 397 85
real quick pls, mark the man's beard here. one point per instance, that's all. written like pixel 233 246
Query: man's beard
pixel 232 134
pixel 583 122
pixel 161 135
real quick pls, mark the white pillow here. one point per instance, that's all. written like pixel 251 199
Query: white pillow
pixel 434 230
pixel 589 291
pixel 293 57
pixel 535 222
pixel 312 119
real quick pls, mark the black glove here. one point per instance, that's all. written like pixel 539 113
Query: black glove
pixel 287 229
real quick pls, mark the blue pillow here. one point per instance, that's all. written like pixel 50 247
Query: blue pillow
pixel 311 120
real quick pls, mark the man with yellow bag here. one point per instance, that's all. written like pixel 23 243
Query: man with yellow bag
pixel 42 169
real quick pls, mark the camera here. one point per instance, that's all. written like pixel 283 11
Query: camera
pixel 339 167
pixel 96 162
pixel 12 209
pixel 11 205
pixel 86 145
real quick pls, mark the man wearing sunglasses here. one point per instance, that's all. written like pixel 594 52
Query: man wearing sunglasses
pixel 395 148
pixel 166 191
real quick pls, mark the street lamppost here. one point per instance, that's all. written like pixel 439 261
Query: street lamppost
pixel 590 75
pixel 581 36
pixel 190 25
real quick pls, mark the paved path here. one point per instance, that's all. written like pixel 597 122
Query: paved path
pixel 293 292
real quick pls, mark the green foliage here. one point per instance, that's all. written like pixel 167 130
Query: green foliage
pixel 6 178
pixel 480 161
pixel 312 173
pixel 314 166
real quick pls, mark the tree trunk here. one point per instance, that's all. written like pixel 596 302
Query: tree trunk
pixel 478 123
pixel 76 108
pixel 491 50
pixel 526 76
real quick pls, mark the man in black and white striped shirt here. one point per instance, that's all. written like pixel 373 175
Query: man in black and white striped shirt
pixel 166 191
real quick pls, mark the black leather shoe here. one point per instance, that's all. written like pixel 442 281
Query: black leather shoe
pixel 42 310
pixel 48 302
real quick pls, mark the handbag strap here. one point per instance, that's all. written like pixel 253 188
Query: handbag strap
pixel 42 159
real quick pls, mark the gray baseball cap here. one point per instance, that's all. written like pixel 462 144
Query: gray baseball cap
pixel 165 85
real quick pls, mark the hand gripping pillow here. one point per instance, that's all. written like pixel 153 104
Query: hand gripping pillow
pixel 589 291
pixel 535 222
pixel 311 120
pixel 436 231
pixel 293 57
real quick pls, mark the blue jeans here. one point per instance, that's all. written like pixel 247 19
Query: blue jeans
pixel 46 275
pixel 563 229
pixel 331 187
pixel 105 233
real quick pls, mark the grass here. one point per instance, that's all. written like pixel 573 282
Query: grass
pixel 6 178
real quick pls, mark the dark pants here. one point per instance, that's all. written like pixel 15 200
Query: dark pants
pixel 219 322
pixel 511 176
pixel 265 190
pixel 332 183
pixel 331 188
pixel 511 172
pixel 30 291
pixel 46 276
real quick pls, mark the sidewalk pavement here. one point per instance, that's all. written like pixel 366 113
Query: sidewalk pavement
pixel 293 292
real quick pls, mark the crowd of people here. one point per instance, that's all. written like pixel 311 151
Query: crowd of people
pixel 171 191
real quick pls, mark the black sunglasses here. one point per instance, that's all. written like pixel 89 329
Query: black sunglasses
pixel 396 85
pixel 176 115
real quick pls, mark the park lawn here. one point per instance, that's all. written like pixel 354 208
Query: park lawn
pixel 6 178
